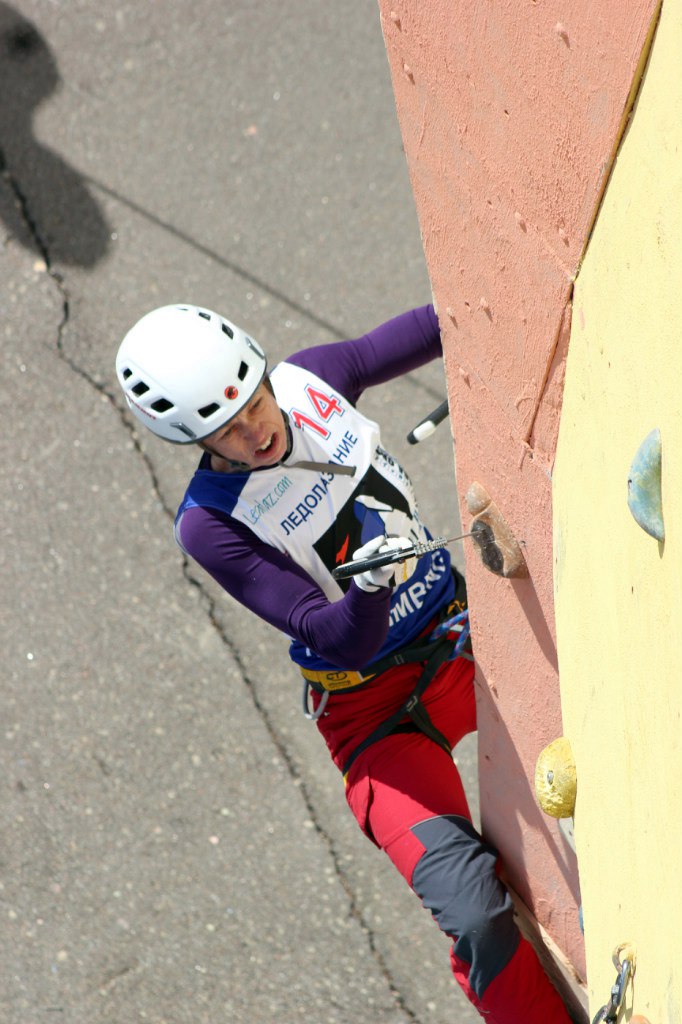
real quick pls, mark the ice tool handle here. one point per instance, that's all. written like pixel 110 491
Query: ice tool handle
pixel 342 572
pixel 354 568
pixel 427 426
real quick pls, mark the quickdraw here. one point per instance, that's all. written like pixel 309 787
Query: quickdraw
pixel 625 968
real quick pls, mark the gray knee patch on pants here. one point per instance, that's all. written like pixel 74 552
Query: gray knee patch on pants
pixel 456 880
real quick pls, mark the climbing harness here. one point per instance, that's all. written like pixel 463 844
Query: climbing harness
pixel 433 650
pixel 626 969
pixel 343 681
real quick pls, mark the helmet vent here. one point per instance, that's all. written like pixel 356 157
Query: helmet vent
pixel 243 370
pixel 140 388
pixel 208 410
pixel 206 316
pixel 127 373
pixel 227 330
pixel 162 405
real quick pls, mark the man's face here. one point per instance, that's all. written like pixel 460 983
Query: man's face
pixel 256 437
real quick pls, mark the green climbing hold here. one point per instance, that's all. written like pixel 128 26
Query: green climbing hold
pixel 644 486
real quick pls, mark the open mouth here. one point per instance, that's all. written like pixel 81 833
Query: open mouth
pixel 267 447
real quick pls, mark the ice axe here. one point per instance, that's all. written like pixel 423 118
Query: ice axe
pixel 355 567
pixel 427 426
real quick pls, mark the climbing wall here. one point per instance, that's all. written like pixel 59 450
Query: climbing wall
pixel 511 115
pixel 618 590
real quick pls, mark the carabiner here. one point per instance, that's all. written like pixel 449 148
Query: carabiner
pixel 609 1013
pixel 313 716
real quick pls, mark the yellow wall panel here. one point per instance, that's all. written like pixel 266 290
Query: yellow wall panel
pixel 618 592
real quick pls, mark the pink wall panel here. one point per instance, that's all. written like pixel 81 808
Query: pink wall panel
pixel 511 111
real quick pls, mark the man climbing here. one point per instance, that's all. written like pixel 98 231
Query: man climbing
pixel 293 481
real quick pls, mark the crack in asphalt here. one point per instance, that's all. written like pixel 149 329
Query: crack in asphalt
pixel 354 907
pixel 44 251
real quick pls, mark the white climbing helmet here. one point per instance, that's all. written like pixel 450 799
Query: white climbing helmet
pixel 185 371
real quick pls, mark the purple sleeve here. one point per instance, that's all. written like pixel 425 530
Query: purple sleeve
pixel 388 351
pixel 347 633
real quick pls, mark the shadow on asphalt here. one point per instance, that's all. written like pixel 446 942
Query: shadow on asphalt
pixel 48 208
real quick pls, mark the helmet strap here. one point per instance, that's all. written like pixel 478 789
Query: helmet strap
pixel 236 467
pixel 316 467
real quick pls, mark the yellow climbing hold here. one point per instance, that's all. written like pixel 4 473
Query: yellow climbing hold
pixel 556 780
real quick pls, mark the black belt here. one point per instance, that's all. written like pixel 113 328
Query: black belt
pixel 434 653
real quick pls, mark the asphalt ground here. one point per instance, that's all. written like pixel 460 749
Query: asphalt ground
pixel 175 845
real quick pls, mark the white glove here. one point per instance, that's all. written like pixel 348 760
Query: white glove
pixel 391 575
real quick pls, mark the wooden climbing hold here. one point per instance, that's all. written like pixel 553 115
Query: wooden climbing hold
pixel 556 780
pixel 500 551
pixel 644 486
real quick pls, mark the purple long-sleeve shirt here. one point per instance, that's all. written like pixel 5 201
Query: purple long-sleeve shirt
pixel 267 581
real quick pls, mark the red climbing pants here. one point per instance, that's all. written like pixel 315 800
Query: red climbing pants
pixel 407 796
